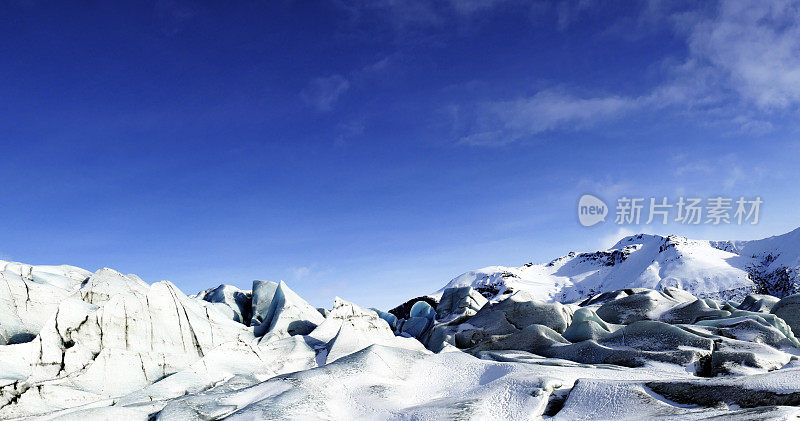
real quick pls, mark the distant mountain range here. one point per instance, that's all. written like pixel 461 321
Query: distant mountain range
pixel 709 269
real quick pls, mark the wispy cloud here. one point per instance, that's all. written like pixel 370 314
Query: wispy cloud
pixel 742 65
pixel 323 92
pixel 727 171
pixel 755 46
pixel 502 122
pixel 408 16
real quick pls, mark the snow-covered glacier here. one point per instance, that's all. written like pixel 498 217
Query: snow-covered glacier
pixel 653 328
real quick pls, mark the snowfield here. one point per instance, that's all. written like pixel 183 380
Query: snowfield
pixel 708 269
pixel 653 328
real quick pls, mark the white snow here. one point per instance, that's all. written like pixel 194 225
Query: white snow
pixel 716 269
pixel 104 345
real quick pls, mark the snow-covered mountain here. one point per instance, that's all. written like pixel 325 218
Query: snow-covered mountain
pixel 712 269
pixel 104 345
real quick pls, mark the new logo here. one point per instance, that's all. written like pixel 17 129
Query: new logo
pixel 591 210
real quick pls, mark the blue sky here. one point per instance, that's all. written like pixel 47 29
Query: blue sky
pixel 374 150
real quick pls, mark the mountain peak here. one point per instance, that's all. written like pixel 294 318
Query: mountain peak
pixel 711 269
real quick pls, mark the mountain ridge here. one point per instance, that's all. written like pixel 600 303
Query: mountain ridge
pixel 708 269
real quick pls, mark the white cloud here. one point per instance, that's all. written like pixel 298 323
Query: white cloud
pixel 755 45
pixel 503 122
pixel 322 93
pixel 548 109
pixel 742 64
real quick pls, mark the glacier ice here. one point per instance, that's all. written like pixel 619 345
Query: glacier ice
pixel 459 302
pixel 788 309
pixel 654 328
